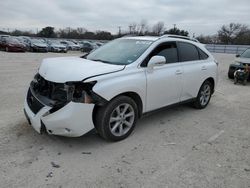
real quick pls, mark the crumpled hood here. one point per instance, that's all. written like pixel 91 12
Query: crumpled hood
pixel 66 69
pixel 243 60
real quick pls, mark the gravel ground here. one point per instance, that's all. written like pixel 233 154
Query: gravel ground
pixel 174 148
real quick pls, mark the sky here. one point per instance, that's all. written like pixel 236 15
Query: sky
pixel 196 16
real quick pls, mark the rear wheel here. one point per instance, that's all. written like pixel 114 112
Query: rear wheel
pixel 117 119
pixel 204 95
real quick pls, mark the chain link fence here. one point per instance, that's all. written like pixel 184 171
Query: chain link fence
pixel 230 49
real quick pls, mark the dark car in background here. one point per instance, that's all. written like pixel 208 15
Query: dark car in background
pixel 56 46
pixel 88 46
pixel 37 45
pixel 23 41
pixel 240 63
pixel 11 44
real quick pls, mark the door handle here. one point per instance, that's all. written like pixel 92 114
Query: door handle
pixel 178 72
pixel 203 68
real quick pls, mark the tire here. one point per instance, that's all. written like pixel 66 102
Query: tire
pixel 111 121
pixel 235 80
pixel 230 74
pixel 203 96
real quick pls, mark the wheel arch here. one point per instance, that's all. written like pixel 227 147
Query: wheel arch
pixel 211 80
pixel 133 95
pixel 136 97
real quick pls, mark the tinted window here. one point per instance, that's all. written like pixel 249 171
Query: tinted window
pixel 246 54
pixel 169 51
pixel 203 55
pixel 87 45
pixel 188 52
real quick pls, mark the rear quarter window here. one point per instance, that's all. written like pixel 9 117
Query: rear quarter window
pixel 203 55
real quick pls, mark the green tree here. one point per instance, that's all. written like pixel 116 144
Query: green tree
pixel 47 32
pixel 176 31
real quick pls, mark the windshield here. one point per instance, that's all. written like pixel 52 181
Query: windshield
pixel 70 43
pixel 55 42
pixel 36 41
pixel 120 51
pixel 12 40
pixel 246 54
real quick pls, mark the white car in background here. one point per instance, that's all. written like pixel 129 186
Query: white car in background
pixel 56 46
pixel 71 45
pixel 113 86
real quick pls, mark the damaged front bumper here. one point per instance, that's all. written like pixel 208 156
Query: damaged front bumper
pixel 72 120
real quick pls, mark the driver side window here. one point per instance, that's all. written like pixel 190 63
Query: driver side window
pixel 167 50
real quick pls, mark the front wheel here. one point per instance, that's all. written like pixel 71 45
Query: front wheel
pixel 230 74
pixel 116 120
pixel 203 96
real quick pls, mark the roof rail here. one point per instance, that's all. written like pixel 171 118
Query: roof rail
pixel 180 37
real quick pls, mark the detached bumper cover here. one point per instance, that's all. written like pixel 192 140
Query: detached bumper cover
pixel 233 68
pixel 73 120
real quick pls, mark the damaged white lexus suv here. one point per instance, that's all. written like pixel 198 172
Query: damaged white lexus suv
pixel 113 86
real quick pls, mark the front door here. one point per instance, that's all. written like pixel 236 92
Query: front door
pixel 164 83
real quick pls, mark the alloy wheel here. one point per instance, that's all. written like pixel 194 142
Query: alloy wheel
pixel 121 119
pixel 205 95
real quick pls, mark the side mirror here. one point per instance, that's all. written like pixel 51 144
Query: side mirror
pixel 156 61
pixel 237 55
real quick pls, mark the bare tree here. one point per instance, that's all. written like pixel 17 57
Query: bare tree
pixel 81 30
pixel 134 28
pixel 158 28
pixel 143 27
pixel 229 33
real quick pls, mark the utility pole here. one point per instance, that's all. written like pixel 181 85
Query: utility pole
pixel 174 26
pixel 130 29
pixel 119 31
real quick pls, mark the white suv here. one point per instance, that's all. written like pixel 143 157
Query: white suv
pixel 112 87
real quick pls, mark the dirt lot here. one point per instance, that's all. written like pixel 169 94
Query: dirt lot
pixel 174 148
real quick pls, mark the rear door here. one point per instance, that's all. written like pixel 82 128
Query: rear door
pixel 164 82
pixel 194 66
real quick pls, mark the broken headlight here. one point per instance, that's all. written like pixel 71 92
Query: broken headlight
pixel 81 92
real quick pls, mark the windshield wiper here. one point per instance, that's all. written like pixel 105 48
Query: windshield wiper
pixel 101 61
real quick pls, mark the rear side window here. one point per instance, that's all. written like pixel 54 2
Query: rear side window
pixel 188 52
pixel 203 55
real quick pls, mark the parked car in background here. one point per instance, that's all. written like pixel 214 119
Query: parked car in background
pixel 71 45
pixel 23 41
pixel 109 89
pixel 11 44
pixel 99 44
pixel 56 46
pixel 37 45
pixel 240 63
pixel 88 46
pixel 3 37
